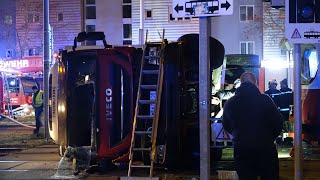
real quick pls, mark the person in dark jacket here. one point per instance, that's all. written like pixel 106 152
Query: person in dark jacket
pixel 286 101
pixel 255 122
pixel 273 92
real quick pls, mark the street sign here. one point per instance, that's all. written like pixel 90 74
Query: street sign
pixel 302 28
pixel 200 8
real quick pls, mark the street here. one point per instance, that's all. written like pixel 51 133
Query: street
pixel 39 159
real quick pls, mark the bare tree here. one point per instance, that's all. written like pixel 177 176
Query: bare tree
pixel 28 26
pixel 271 23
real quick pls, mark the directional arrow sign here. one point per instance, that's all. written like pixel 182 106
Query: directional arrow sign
pixel 199 8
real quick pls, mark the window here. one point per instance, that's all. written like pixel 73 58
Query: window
pixel 90 2
pixel 90 12
pixel 9 53
pixel 14 85
pixel 29 18
pixel 310 64
pixel 247 47
pixel 127 31
pixel 60 16
pixel 90 28
pixel 8 19
pixel 33 18
pixel 126 1
pixel 126 11
pixel 282 13
pixel 246 13
pixel 27 84
pixel 36 18
pixel 33 51
pixel 127 42
pixel 148 14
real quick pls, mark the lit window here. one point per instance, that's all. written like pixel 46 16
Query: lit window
pixel 60 16
pixel 246 13
pixel 247 47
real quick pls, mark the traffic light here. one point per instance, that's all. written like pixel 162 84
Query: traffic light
pixel 304 11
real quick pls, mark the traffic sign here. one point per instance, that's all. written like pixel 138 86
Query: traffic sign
pixel 301 28
pixel 200 8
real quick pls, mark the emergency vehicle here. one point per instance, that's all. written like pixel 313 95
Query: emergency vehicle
pixel 310 77
pixel 17 78
pixel 93 90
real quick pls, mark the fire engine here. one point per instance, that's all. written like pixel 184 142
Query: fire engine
pixel 310 76
pixel 93 90
pixel 17 78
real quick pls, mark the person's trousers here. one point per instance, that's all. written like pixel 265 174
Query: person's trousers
pixel 38 112
pixel 251 163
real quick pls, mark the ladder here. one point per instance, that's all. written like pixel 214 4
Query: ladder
pixel 151 68
pixel 7 94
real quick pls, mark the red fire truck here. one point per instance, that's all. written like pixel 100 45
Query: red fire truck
pixel 17 78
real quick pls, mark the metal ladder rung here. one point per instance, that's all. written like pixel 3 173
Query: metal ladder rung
pixel 154 87
pixel 140 101
pixel 141 149
pixel 147 101
pixel 150 71
pixel 145 117
pixel 142 132
pixel 140 166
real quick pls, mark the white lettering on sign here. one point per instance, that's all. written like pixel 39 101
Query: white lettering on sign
pixel 14 63
pixel 109 104
pixel 54 102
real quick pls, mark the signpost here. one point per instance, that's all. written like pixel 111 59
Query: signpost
pixel 203 9
pixel 302 27
pixel 298 28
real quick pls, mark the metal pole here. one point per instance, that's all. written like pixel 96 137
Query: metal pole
pixel 141 31
pixel 204 96
pixel 46 63
pixel 297 114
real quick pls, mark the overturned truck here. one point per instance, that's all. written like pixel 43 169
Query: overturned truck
pixel 93 92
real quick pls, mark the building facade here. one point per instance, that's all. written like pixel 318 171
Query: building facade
pixel 241 33
pixel 158 16
pixel 276 49
pixel 65 21
pixel 7 29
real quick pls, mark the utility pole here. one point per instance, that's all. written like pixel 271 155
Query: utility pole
pixel 46 64
pixel 141 31
pixel 204 96
pixel 297 114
